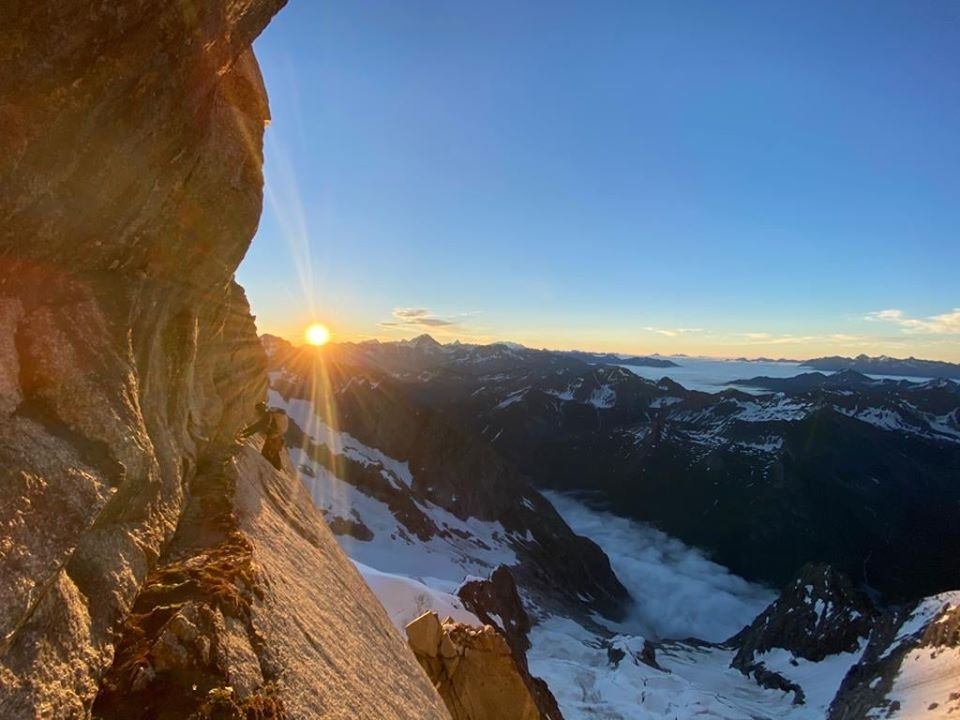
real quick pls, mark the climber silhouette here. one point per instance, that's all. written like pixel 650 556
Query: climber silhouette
pixel 273 423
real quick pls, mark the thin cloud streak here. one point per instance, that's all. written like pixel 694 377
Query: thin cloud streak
pixel 674 332
pixel 421 318
pixel 944 324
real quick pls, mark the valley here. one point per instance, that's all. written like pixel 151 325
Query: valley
pixel 435 464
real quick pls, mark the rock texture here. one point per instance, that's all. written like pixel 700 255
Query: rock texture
pixel 817 615
pixel 473 669
pixel 131 176
pixel 496 602
pixel 271 616
pixel 911 668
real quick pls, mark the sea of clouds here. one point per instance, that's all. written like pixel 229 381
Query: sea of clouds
pixel 678 592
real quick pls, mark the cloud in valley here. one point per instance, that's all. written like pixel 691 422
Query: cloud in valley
pixel 677 590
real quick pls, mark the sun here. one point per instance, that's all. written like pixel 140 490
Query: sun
pixel 317 334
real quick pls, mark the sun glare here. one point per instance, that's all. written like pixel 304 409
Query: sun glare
pixel 317 334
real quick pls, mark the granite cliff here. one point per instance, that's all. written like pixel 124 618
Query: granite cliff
pixel 143 551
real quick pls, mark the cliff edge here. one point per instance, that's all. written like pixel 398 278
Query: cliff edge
pixel 140 545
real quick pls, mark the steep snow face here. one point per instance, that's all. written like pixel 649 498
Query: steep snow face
pixel 405 599
pixel 603 397
pixel 461 547
pixel 340 443
pixel 910 670
pixel 926 683
pixel 926 686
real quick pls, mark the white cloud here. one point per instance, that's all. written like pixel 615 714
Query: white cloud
pixel 944 324
pixel 674 332
pixel 417 318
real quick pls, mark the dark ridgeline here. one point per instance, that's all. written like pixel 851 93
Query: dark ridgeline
pixel 908 367
pixel 840 469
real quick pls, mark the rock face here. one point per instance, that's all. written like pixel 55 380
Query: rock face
pixel 131 176
pixel 473 669
pixel 817 615
pixel 496 602
pixel 911 668
pixel 271 617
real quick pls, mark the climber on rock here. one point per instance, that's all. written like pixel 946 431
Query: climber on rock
pixel 273 424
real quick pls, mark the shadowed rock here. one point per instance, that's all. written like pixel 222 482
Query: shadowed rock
pixel 818 614
pixel 910 667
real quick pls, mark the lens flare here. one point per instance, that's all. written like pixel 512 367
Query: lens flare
pixel 317 334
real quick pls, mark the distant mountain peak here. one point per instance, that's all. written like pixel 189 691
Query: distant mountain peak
pixel 422 342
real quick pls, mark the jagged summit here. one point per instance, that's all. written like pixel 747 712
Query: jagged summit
pixel 424 342
pixel 819 613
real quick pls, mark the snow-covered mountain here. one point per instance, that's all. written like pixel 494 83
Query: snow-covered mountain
pixel 413 460
pixel 840 468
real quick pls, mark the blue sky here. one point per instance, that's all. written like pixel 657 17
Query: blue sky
pixel 724 178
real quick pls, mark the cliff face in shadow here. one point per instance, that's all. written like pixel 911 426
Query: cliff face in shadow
pixel 131 173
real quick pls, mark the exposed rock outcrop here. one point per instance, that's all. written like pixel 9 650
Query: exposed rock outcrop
pixel 270 616
pixel 818 614
pixel 138 557
pixel 496 602
pixel 473 669
pixel 911 668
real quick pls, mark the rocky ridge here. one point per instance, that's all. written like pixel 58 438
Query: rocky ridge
pixel 911 666
pixel 496 602
pixel 472 668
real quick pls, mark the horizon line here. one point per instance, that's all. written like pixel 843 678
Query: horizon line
pixel 740 357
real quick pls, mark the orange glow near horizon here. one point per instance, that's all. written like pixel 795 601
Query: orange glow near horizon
pixel 706 344
pixel 317 334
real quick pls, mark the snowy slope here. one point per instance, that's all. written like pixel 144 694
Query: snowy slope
pixel 463 547
pixel 678 593
pixel 597 668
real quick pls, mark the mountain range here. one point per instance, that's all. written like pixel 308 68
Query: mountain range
pixel 883 365
pixel 419 452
